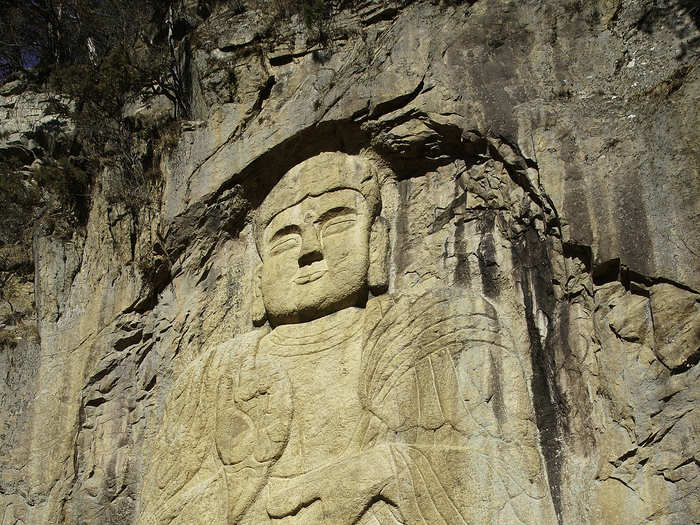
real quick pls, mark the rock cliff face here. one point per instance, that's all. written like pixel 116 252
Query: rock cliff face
pixel 541 154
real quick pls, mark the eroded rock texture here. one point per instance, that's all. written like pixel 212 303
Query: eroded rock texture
pixel 537 156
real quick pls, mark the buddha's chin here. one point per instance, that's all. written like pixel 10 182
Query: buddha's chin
pixel 314 299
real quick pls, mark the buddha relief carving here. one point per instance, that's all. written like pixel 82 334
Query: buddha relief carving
pixel 315 234
pixel 348 404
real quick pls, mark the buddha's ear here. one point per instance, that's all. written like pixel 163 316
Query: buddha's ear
pixel 378 275
pixel 257 309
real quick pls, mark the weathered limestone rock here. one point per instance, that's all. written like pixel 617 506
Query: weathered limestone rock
pixel 676 326
pixel 537 169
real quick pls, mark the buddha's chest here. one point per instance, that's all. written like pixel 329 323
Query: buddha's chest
pixel 326 405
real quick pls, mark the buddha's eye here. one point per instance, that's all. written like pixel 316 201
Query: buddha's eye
pixel 338 224
pixel 283 244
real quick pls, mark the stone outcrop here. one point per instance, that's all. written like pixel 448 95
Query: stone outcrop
pixel 540 157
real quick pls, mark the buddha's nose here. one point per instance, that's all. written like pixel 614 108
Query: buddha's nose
pixel 310 247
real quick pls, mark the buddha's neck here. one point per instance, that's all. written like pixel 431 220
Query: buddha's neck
pixel 317 335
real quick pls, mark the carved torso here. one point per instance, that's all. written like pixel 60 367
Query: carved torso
pixel 322 360
pixel 385 414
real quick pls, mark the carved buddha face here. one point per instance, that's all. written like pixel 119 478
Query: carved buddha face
pixel 315 257
pixel 316 239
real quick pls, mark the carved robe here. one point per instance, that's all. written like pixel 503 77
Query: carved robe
pixel 413 410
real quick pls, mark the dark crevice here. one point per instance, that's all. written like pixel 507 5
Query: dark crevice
pixel 627 455
pixel 203 276
pixel 669 397
pixel 631 281
pixel 689 461
pixel 579 251
pixel 550 409
pixel 281 60
pixel 142 352
pixel 396 103
pixel 613 271
pixel 360 114
pixel 663 280
pixel 150 384
pixel 451 142
pixel 624 483
pixel 264 93
pixel 318 55
pixel 475 147
pixel 606 272
pixel 111 365
pixel 449 213
pixel 386 14
pixel 658 436
pixel 688 364
pixel 156 279
pixel 127 341
pixel 235 47
pixel 133 239
pixel 95 402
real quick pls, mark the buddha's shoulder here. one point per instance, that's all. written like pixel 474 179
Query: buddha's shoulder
pixel 220 359
pixel 458 300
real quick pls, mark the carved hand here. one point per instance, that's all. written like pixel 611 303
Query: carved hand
pixel 254 412
pixel 345 488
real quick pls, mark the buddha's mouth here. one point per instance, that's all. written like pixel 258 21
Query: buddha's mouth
pixel 309 276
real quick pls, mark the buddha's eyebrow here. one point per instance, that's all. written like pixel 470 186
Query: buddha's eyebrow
pixel 286 230
pixel 334 212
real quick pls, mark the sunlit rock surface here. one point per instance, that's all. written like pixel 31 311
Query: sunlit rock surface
pixel 537 156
